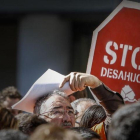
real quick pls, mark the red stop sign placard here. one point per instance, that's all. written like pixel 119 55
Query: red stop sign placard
pixel 115 51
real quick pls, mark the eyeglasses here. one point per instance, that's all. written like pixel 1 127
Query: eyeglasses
pixel 57 113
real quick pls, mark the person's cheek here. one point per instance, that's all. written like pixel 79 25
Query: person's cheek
pixel 57 121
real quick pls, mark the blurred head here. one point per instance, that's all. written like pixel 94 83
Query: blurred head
pixel 125 123
pixel 53 132
pixel 12 135
pixel 8 97
pixel 80 105
pixel 56 108
pixel 29 122
pixel 22 116
pixel 86 133
pixel 7 120
pixel 92 116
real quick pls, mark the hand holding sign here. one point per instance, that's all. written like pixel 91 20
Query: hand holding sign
pixel 115 50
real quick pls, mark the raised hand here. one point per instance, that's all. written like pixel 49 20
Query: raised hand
pixel 79 81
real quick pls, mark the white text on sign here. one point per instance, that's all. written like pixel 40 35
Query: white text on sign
pixel 125 48
pixel 120 74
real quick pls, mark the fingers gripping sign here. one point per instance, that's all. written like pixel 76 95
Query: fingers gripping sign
pixel 79 81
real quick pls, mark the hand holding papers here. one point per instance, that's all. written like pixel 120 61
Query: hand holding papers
pixel 79 81
pixel 49 81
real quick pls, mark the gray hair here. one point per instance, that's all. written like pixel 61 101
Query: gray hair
pixel 45 97
pixel 75 103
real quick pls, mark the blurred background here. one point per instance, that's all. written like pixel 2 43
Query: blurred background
pixel 39 34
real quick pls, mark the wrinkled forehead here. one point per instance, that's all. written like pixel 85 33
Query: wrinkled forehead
pixel 54 102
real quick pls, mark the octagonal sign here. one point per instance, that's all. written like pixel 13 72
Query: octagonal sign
pixel 115 51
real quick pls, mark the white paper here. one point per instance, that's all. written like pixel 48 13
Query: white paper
pixel 49 81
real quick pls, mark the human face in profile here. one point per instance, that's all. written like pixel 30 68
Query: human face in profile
pixel 57 109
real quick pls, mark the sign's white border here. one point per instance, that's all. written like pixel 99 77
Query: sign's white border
pixel 128 4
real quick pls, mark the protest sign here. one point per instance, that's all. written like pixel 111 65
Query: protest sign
pixel 115 51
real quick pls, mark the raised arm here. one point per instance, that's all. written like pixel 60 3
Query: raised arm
pixel 109 99
pixel 79 81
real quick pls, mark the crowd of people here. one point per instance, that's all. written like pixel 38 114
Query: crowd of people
pixel 57 116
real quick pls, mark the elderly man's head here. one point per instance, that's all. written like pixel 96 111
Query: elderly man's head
pixel 80 106
pixel 55 107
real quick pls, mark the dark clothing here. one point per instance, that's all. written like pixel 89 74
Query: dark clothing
pixel 109 99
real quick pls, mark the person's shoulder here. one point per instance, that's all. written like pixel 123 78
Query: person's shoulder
pixel 98 127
